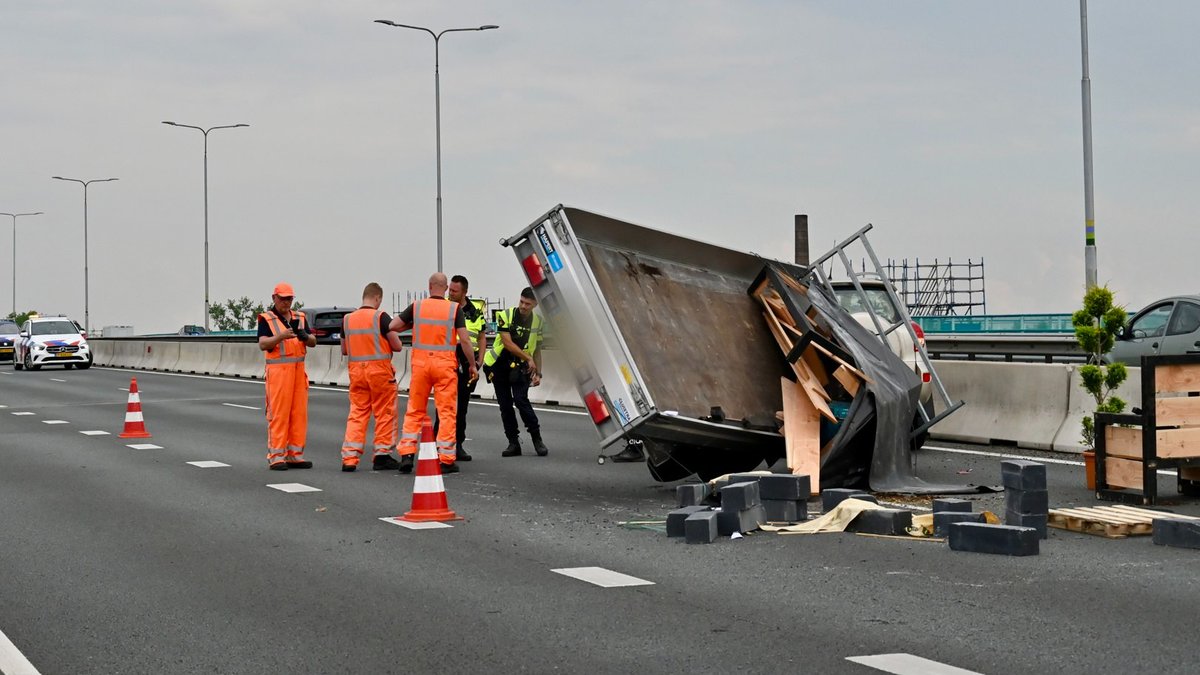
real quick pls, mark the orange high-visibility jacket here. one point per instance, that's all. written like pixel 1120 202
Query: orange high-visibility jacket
pixel 287 351
pixel 360 334
pixel 434 336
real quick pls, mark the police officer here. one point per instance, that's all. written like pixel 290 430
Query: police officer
pixel 514 364
pixel 472 312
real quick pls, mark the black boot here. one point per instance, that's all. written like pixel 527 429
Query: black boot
pixel 384 463
pixel 461 454
pixel 513 449
pixel 538 446
pixel 406 463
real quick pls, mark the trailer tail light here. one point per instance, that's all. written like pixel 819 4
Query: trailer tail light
pixel 925 378
pixel 596 407
pixel 920 333
pixel 533 270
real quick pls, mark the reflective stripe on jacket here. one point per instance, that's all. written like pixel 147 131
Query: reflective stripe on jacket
pixel 360 334
pixel 287 351
pixel 504 319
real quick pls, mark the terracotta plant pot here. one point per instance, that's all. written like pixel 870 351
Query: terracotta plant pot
pixel 1089 468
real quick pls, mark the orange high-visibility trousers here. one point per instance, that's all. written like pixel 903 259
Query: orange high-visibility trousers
pixel 372 391
pixel 441 378
pixel 287 412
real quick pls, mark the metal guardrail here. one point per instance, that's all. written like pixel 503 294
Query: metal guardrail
pixel 1048 348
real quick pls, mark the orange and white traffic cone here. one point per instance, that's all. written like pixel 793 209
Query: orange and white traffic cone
pixel 135 427
pixel 429 492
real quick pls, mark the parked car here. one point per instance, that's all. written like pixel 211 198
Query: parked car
pixel 8 339
pixel 326 323
pixel 50 340
pixel 192 329
pixel 1170 326
pixel 901 342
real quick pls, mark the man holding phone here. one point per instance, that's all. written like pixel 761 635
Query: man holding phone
pixel 284 339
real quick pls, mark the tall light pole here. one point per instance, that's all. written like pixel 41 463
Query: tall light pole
pixel 437 111
pixel 14 217
pixel 1089 211
pixel 205 132
pixel 87 317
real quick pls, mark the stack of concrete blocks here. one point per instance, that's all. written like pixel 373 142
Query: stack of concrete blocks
pixel 697 524
pixel 691 494
pixel 784 497
pixel 1022 478
pixel 741 508
pixel 833 496
pixel 1027 502
pixel 949 511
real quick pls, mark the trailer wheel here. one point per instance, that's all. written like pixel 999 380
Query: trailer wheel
pixel 600 460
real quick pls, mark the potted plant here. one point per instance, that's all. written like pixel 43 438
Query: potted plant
pixel 1097 325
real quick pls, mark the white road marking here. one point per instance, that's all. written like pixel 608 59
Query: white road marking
pixel 144 446
pixel 55 379
pixel 428 525
pixel 907 664
pixel 602 577
pixel 293 487
pixel 236 405
pixel 1005 455
pixel 24 413
pixel 95 432
pixel 3 372
pixel 208 464
pixel 55 422
pixel 3 406
pixel 124 389
pixel 12 661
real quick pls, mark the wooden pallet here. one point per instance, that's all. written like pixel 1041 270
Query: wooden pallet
pixel 1114 522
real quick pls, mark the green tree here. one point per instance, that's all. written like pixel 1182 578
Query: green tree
pixel 240 314
pixel 1097 325
pixel 21 317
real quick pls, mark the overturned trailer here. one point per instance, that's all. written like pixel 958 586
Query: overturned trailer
pixel 669 349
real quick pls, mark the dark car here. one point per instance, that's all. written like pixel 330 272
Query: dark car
pixel 8 338
pixel 326 323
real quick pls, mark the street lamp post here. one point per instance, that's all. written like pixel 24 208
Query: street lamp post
pixel 437 111
pixel 1089 209
pixel 205 132
pixel 14 217
pixel 87 317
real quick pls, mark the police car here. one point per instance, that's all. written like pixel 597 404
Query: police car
pixel 8 337
pixel 51 341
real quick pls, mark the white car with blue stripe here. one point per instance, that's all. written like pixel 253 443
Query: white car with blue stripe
pixel 51 341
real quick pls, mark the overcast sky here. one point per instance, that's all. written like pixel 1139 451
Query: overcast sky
pixel 953 126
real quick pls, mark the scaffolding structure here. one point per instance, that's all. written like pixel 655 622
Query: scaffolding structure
pixel 940 288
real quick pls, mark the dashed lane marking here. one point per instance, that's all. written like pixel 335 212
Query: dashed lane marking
pixel 24 413
pixel 95 432
pixel 144 446
pixel 601 577
pixel 238 405
pixel 293 487
pixel 3 406
pixel 55 422
pixel 429 525
pixel 12 661
pixel 907 664
pixel 55 379
pixel 208 464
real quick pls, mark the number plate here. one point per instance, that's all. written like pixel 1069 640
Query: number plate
pixel 6 350
pixel 63 355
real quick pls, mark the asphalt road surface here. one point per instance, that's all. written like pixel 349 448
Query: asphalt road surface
pixel 122 560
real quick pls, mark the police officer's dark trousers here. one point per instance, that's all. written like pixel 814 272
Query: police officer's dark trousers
pixel 515 390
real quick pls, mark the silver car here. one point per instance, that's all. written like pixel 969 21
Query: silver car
pixel 1170 326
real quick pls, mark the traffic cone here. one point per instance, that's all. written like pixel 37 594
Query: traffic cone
pixel 134 426
pixel 429 492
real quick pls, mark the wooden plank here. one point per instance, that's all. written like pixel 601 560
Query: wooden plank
pixel 1150 513
pixel 1178 442
pixel 848 379
pixel 1183 378
pixel 814 364
pixel 802 433
pixel 804 375
pixel 1095 514
pixel 1123 442
pixel 1124 473
pixel 780 310
pixel 1177 411
pixel 1189 472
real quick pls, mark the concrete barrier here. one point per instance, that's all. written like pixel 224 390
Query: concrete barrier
pixel 1012 403
pixel 199 358
pixel 241 359
pixel 102 352
pixel 1081 403
pixel 160 356
pixel 339 373
pixel 316 364
pixel 127 353
pixel 557 385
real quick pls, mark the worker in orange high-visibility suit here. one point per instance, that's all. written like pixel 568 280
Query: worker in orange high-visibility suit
pixel 284 338
pixel 368 345
pixel 438 329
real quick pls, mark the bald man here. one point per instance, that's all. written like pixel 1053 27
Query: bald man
pixel 439 328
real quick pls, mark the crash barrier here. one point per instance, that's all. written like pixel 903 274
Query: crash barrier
pixel 1035 406
pixel 161 356
pixel 102 352
pixel 241 359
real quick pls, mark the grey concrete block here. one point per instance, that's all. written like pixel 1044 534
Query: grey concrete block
pixel 882 521
pixel 690 494
pixel 953 504
pixel 784 487
pixel 998 539
pixel 1027 501
pixel 785 510
pixel 740 496
pixel 748 520
pixel 864 497
pixel 834 496
pixel 1177 532
pixel 1022 474
pixel 1037 521
pixel 943 520
pixel 675 519
pixel 701 527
